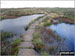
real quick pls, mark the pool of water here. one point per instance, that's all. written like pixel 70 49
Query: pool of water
pixel 17 25
pixel 65 31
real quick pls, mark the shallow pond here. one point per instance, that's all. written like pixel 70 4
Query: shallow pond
pixel 17 25
pixel 65 31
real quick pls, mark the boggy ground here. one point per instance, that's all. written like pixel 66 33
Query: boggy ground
pixel 46 41
pixel 63 19
pixel 14 13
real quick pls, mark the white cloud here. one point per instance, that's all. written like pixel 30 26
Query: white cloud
pixel 20 4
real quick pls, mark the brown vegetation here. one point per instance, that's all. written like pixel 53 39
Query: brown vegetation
pixel 63 19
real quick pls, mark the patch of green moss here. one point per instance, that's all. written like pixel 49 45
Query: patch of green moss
pixel 47 24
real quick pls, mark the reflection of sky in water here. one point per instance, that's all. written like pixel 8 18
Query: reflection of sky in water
pixel 65 31
pixel 17 25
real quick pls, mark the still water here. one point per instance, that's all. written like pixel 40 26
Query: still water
pixel 65 31
pixel 17 25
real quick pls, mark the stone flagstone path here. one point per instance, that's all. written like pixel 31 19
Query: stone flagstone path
pixel 26 47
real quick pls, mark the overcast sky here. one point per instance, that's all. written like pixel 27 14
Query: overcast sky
pixel 21 4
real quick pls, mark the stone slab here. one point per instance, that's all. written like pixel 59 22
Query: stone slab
pixel 27 52
pixel 26 45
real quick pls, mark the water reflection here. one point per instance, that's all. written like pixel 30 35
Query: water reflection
pixel 17 25
pixel 67 32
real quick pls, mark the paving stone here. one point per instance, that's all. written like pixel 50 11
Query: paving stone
pixel 28 38
pixel 26 45
pixel 27 52
pixel 32 27
pixel 30 31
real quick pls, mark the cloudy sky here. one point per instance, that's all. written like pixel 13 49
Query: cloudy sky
pixel 21 4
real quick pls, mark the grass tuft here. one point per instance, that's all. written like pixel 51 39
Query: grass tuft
pixel 37 41
pixel 14 47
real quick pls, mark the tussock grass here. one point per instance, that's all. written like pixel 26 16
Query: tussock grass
pixel 5 35
pixel 46 22
pixel 37 41
pixel 14 47
pixel 16 42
